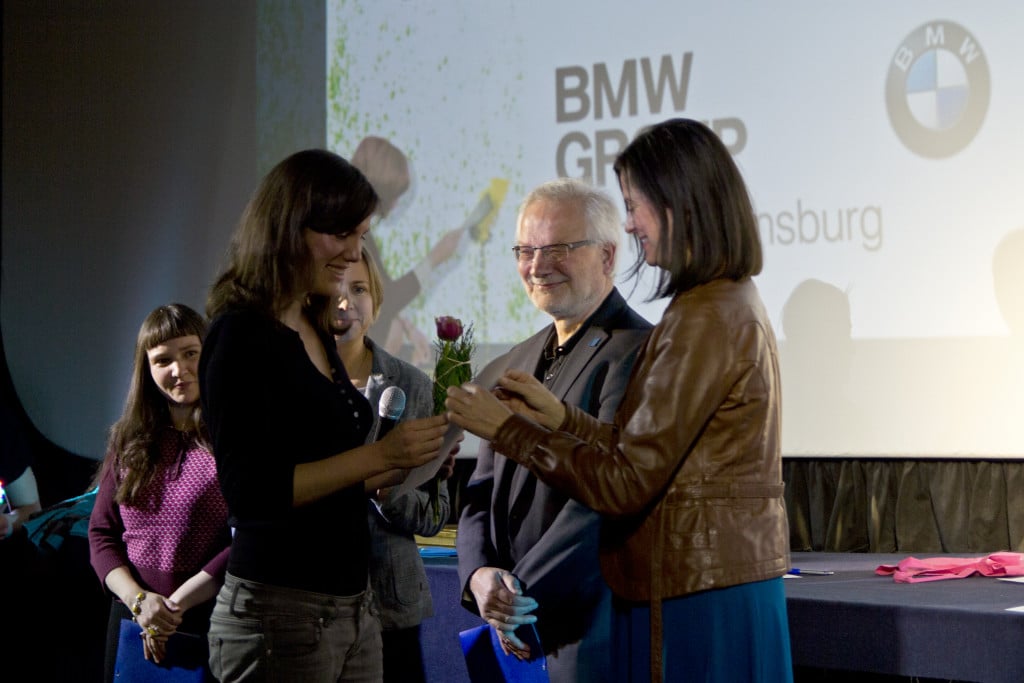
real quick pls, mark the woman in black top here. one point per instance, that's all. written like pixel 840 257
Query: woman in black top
pixel 288 430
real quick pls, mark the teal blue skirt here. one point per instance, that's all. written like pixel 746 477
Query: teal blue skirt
pixel 737 634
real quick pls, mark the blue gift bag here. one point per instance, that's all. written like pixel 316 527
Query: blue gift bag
pixel 488 663
pixel 185 661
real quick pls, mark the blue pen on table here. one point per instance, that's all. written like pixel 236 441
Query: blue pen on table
pixel 811 572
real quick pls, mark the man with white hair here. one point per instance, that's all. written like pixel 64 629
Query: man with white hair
pixel 527 553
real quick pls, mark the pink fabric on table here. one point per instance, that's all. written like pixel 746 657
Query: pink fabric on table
pixel 914 570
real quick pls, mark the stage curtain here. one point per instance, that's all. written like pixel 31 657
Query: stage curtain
pixel 913 506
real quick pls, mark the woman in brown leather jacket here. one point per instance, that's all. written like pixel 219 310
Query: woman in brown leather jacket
pixel 688 477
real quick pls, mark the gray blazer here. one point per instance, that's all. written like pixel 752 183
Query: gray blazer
pixel 397 575
pixel 516 522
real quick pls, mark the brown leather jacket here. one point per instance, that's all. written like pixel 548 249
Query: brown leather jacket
pixel 689 475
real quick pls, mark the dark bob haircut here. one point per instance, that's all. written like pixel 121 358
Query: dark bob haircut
pixel 682 166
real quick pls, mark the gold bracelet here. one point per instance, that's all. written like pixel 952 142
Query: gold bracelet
pixel 137 607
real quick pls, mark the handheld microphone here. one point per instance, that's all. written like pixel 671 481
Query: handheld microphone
pixel 390 409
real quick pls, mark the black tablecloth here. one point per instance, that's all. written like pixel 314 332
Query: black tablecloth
pixel 855 620
pixel 442 654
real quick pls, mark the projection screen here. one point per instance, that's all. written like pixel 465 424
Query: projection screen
pixel 880 143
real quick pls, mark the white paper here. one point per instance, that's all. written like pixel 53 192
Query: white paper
pixel 1014 579
pixel 425 472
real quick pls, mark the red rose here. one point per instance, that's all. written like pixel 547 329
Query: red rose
pixel 448 328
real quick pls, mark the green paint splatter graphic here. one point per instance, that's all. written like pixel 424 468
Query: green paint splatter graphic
pixel 379 84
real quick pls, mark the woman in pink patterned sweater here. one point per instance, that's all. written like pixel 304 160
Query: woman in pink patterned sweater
pixel 158 534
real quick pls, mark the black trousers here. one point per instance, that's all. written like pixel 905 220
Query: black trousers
pixel 403 656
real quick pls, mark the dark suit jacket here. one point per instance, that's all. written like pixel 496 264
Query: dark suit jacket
pixel 513 521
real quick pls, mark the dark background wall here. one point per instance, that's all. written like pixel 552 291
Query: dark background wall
pixel 133 134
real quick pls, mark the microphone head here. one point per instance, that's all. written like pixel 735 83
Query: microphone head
pixel 392 403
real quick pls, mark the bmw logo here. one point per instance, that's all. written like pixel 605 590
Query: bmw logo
pixel 937 90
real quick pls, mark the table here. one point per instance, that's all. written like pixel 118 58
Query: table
pixel 439 634
pixel 853 620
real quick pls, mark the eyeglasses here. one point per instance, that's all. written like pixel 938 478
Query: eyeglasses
pixel 555 253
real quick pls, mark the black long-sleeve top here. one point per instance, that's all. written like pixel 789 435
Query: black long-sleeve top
pixel 268 409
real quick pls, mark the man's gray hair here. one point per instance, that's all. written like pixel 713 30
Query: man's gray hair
pixel 599 211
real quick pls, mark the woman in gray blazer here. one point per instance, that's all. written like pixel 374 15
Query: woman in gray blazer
pixel 397 576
